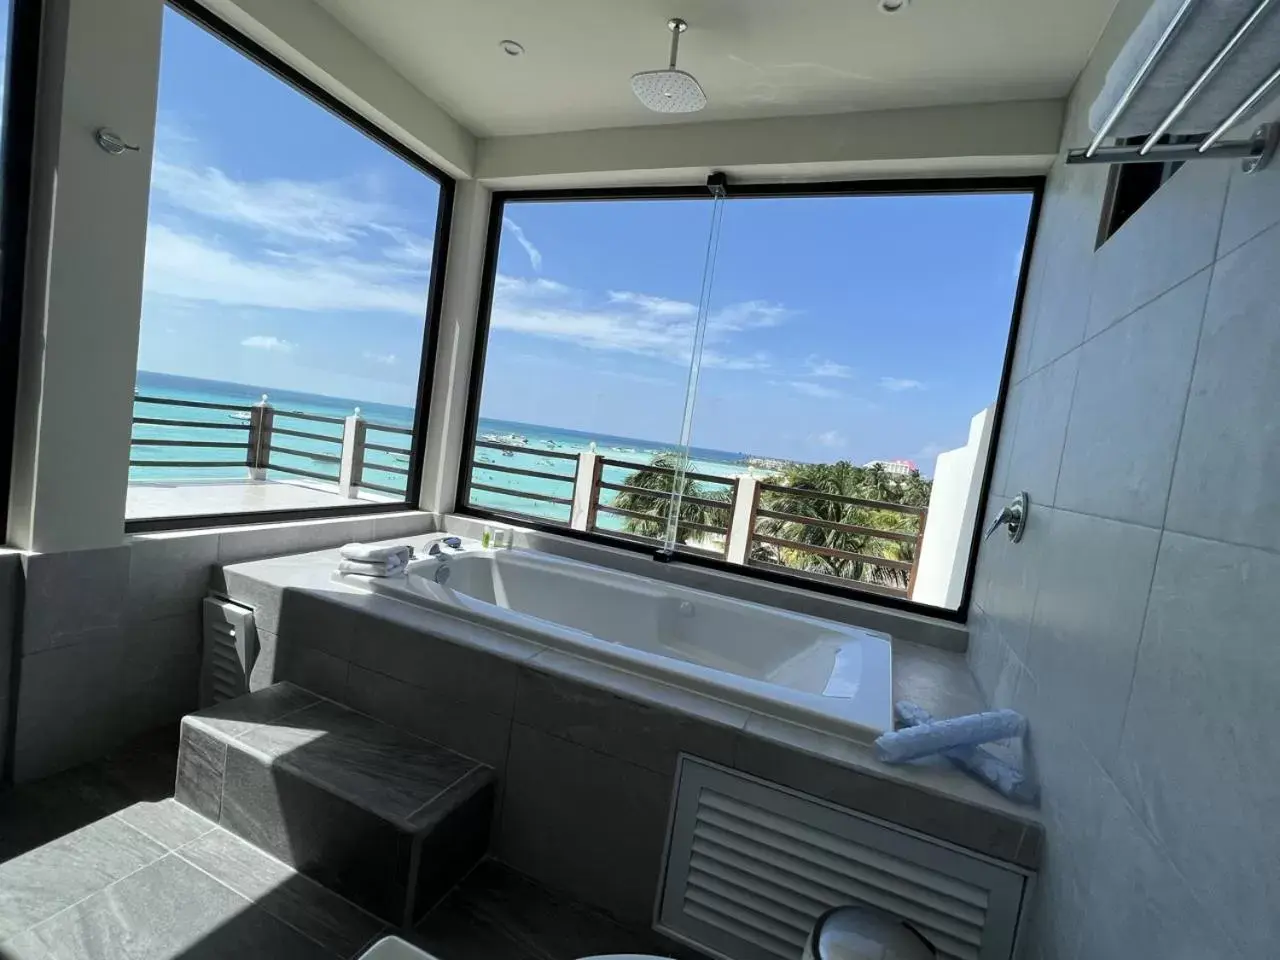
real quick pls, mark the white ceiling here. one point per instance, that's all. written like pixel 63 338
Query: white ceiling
pixel 754 58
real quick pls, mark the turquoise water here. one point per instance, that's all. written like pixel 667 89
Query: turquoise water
pixel 318 456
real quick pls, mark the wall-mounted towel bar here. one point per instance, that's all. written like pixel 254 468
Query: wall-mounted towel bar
pixel 1170 91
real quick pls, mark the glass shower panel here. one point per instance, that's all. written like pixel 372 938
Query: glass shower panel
pixel 586 368
pixel 846 381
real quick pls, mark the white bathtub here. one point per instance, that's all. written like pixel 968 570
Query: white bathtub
pixel 823 674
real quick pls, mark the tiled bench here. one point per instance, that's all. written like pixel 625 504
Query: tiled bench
pixel 386 819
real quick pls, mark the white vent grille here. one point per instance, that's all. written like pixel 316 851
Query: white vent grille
pixel 750 867
pixel 230 647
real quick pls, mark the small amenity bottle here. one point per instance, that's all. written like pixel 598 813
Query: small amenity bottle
pixel 486 538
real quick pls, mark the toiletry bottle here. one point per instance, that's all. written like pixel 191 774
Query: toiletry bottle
pixel 501 538
pixel 486 539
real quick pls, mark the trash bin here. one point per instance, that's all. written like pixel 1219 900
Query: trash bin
pixel 866 933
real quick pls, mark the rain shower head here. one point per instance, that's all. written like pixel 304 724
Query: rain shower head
pixel 670 90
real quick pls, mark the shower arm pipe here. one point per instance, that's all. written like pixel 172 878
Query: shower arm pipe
pixel 677 27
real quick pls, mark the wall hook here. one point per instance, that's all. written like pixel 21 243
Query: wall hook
pixel 1014 516
pixel 112 142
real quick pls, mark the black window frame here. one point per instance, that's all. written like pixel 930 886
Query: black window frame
pixel 26 19
pixel 304 85
pixel 1033 186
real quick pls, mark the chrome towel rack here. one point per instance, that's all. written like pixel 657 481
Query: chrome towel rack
pixel 1254 152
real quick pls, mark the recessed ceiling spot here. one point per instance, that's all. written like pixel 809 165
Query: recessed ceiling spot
pixel 511 48
pixel 894 6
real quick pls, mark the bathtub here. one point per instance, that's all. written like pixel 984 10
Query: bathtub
pixel 825 675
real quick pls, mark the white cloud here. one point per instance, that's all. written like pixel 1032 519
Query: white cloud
pixel 757 361
pixel 658 306
pixel 812 389
pixel 386 359
pixel 828 368
pixel 317 212
pixel 831 438
pixel 627 322
pixel 274 344
pixel 190 267
pixel 535 255
pixel 899 384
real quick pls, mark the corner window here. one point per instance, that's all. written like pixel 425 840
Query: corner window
pixel 794 384
pixel 288 295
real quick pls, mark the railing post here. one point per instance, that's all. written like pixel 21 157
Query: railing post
pixel 584 491
pixel 742 525
pixel 258 455
pixel 350 473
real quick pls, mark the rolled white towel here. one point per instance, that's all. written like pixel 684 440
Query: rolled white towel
pixel 370 568
pixel 368 553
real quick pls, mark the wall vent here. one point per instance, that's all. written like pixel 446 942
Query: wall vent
pixel 230 647
pixel 750 866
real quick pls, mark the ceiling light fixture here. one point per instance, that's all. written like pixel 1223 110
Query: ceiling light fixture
pixel 510 48
pixel 670 90
pixel 894 6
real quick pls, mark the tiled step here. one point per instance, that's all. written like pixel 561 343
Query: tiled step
pixel 383 818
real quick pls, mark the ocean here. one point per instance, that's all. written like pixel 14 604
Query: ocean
pixel 317 456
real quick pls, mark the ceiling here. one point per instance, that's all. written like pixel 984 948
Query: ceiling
pixel 754 58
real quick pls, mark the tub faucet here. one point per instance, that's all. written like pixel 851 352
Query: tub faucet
pixel 442 571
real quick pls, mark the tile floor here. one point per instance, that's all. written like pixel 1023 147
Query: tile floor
pixel 98 864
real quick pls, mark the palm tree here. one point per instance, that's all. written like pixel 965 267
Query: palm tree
pixel 843 479
pixel 658 482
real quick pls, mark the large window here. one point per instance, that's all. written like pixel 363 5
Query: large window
pixel 794 385
pixel 288 296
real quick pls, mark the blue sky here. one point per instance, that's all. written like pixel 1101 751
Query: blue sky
pixel 286 250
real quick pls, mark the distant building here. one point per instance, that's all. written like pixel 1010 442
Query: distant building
pixel 900 467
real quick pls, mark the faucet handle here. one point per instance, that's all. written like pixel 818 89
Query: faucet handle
pixel 1013 516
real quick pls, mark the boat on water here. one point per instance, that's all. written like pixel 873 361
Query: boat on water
pixel 549 444
pixel 508 453
pixel 241 415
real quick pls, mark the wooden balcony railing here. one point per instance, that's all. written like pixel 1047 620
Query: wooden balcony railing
pixel 748 526
pixel 333 450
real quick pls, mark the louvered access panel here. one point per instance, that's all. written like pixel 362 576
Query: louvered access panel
pixel 750 867
pixel 230 647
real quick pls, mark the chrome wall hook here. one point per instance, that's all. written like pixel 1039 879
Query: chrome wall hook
pixel 1013 516
pixel 111 142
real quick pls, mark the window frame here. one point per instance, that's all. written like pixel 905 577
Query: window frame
pixel 264 58
pixel 1033 186
pixel 17 165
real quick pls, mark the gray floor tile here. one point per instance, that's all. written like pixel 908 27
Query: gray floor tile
pixel 167 822
pixel 499 914
pixel 170 910
pixel 303 904
pixel 384 770
pixel 38 884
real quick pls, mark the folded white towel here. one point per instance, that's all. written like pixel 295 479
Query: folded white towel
pixel 393 568
pixel 368 553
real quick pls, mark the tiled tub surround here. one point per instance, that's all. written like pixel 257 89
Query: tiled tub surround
pixel 385 818
pixel 585 753
pixel 818 673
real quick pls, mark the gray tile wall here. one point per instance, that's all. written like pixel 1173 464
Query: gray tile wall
pixel 109 640
pixel 10 601
pixel 1135 623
